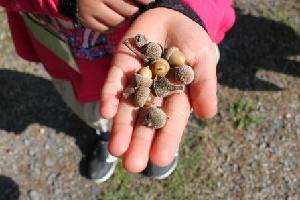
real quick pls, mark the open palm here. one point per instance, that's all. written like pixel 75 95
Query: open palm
pixel 132 141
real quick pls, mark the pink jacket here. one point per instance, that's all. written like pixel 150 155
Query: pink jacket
pixel 218 17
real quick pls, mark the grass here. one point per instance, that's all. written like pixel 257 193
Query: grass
pixel 245 115
pixel 189 181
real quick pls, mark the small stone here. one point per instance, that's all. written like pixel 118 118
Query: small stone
pixel 42 130
pixel 34 195
pixel 50 162
pixel 288 115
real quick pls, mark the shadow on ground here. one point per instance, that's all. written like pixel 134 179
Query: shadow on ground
pixel 26 99
pixel 9 189
pixel 254 43
pixel 258 43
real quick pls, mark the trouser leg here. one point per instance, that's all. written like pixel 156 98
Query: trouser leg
pixel 88 112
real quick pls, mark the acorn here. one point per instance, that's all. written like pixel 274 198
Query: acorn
pixel 163 87
pixel 140 40
pixel 139 81
pixel 174 56
pixel 141 96
pixel 155 118
pixel 160 67
pixel 184 74
pixel 145 72
pixel 152 50
pixel 128 92
pixel 150 101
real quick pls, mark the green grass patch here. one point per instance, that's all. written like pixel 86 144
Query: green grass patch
pixel 189 181
pixel 245 114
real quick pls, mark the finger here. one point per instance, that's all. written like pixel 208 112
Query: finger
pixel 123 65
pixel 108 16
pixel 203 90
pixel 112 90
pixel 145 2
pixel 137 156
pixel 93 24
pixel 167 140
pixel 122 128
pixel 122 7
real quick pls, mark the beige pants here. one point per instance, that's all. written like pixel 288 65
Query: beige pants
pixel 88 112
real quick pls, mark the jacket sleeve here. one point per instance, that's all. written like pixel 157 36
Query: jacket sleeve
pixel 48 7
pixel 218 16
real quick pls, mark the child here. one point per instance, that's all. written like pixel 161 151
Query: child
pixel 79 43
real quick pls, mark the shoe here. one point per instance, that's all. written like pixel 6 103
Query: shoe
pixel 102 164
pixel 160 173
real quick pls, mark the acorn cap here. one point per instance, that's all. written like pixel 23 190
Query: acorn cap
pixel 139 81
pixel 140 40
pixel 141 96
pixel 163 87
pixel 155 118
pixel 152 50
pixel 184 74
pixel 128 92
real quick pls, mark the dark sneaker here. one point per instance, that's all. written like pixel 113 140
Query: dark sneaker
pixel 102 164
pixel 160 173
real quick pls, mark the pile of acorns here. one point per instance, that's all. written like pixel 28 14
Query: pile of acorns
pixel 153 80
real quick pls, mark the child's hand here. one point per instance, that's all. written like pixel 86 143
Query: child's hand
pixel 101 15
pixel 136 143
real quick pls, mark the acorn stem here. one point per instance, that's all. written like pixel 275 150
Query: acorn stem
pixel 136 52
pixel 175 87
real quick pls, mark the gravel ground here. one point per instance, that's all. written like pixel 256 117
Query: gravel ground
pixel 43 145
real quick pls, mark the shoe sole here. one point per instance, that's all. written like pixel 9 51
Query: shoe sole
pixel 108 175
pixel 168 173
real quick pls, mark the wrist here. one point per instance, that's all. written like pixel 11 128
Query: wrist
pixel 176 5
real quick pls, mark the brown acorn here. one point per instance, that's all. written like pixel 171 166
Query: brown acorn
pixel 174 56
pixel 155 118
pixel 128 92
pixel 145 72
pixel 184 74
pixel 160 67
pixel 141 96
pixel 140 40
pixel 152 50
pixel 163 87
pixel 139 81
pixel 150 101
